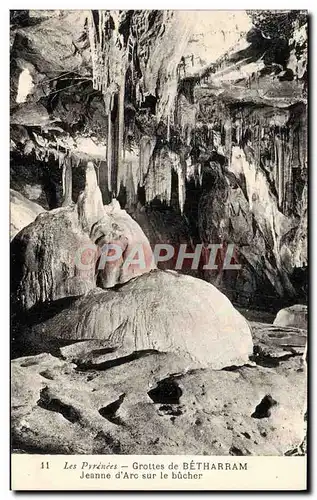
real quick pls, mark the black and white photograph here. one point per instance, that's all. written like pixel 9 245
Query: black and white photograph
pixel 158 236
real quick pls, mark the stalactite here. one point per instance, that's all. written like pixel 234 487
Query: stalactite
pixel 109 149
pixel 228 139
pixel 130 179
pixel 67 181
pixel 281 174
pixel 112 54
pixel 120 145
pixel 110 61
pixel 289 174
pixel 130 185
pixel 159 178
pixel 190 170
pixel 279 168
pixel 147 145
pixel 181 187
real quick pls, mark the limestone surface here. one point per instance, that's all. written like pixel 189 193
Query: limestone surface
pixel 151 403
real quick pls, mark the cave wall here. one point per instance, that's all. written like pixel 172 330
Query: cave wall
pixel 212 156
pixel 241 178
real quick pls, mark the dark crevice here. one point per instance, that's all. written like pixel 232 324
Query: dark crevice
pixel 46 374
pixel 103 350
pixel 263 409
pixel 235 451
pixel 167 392
pixel 246 434
pixel 53 404
pixel 234 368
pixel 109 411
pixel 115 362
pixel 268 361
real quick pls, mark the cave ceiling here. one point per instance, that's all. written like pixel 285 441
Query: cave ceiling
pixel 71 64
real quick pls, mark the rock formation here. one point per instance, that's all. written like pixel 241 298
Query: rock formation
pixel 135 128
pixel 159 311
pixel 89 402
pixel 293 316
pixel 43 259
pixel 133 254
pixel 166 127
pixel 60 254
pixel 90 206
pixel 22 212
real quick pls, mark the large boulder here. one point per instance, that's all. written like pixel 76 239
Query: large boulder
pixel 43 256
pixel 162 311
pixel 56 256
pixel 293 316
pixel 22 212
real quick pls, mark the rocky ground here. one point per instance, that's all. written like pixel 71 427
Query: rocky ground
pixel 160 363
pixel 85 399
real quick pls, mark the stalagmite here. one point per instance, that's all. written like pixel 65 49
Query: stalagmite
pixel 90 205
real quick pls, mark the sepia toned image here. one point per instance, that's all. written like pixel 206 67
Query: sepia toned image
pixel 158 227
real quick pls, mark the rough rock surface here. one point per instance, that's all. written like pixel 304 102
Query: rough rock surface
pixel 151 404
pixel 193 103
pixel 131 249
pixel 222 139
pixel 90 206
pixel 22 212
pixel 161 311
pixel 43 259
pixel 270 245
pixel 56 256
pixel 293 316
